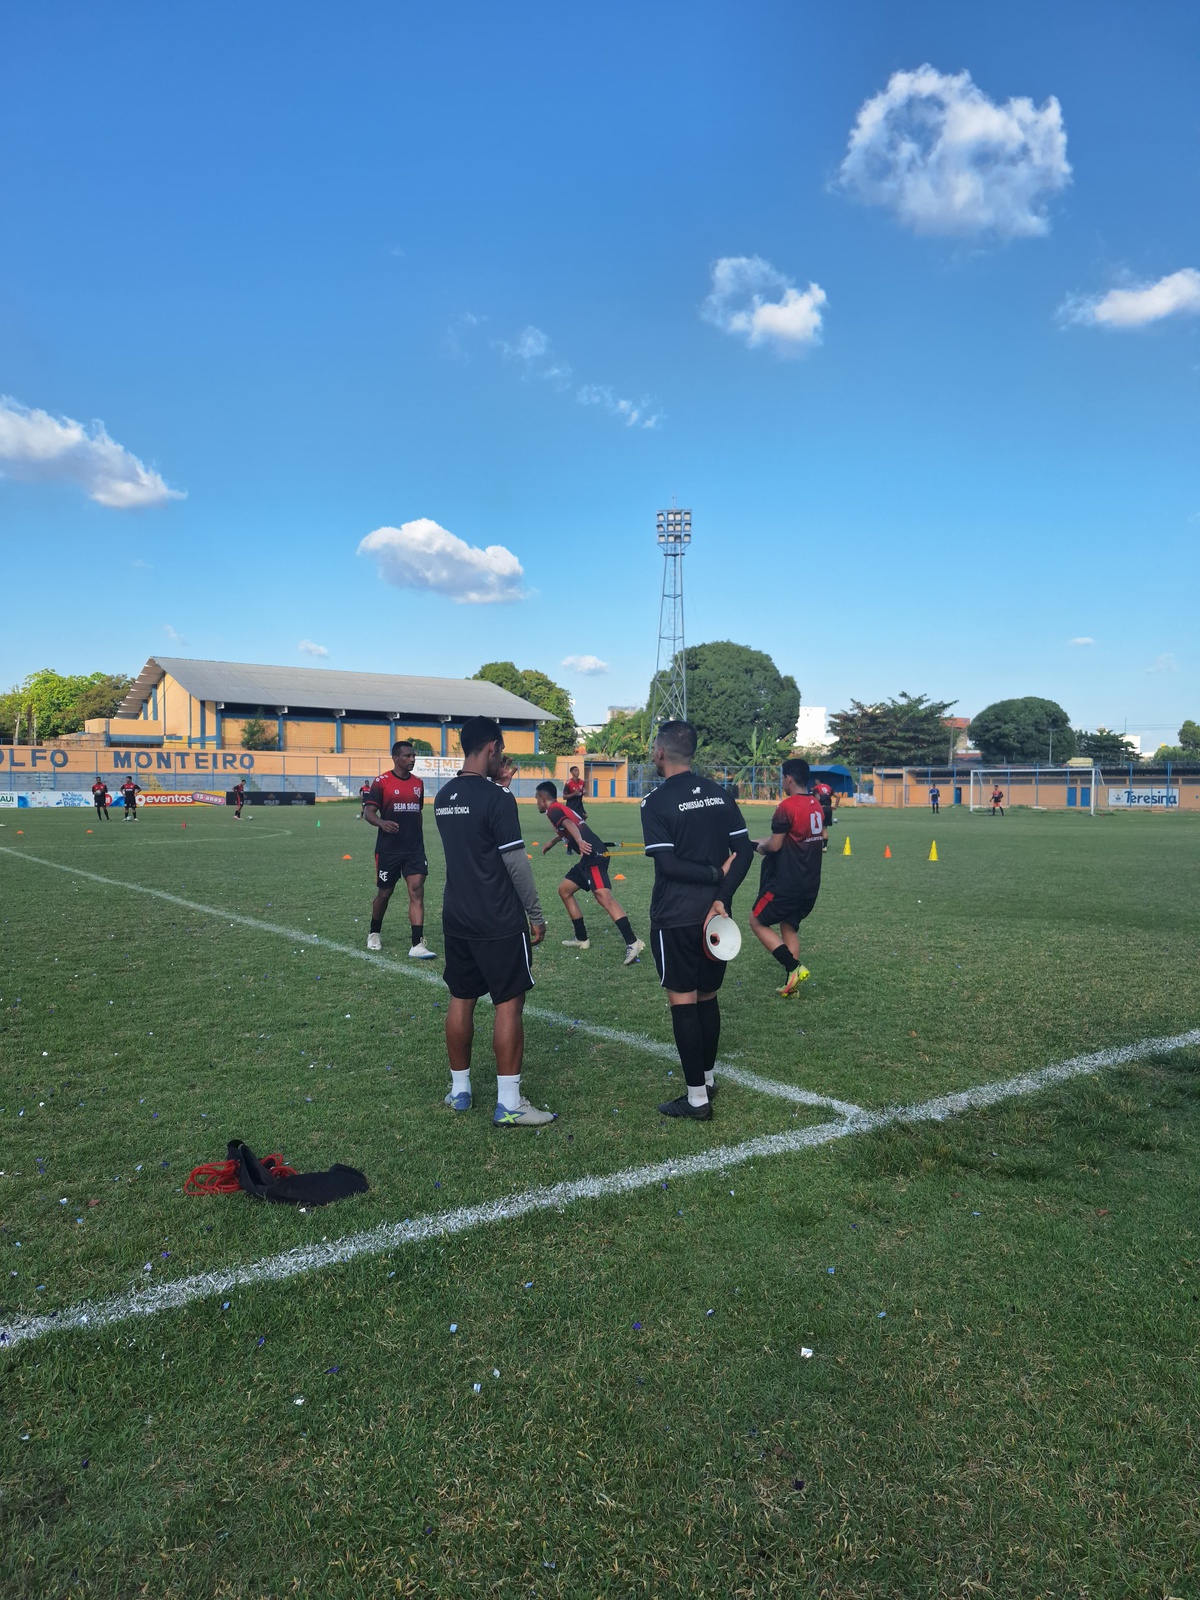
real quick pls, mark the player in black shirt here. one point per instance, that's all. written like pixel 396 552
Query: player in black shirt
pixel 701 850
pixel 130 790
pixel 100 798
pixel 491 918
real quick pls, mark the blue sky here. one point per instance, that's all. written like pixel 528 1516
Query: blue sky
pixel 323 271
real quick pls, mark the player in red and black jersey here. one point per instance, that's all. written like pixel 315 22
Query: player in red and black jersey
pixel 100 799
pixel 824 797
pixel 791 872
pixel 130 791
pixel 573 793
pixel 589 873
pixel 239 798
pixel 394 806
pixel 364 794
pixel 997 799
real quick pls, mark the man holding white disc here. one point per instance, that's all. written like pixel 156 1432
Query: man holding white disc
pixel 700 846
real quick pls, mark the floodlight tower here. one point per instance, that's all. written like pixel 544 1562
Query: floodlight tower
pixel 669 700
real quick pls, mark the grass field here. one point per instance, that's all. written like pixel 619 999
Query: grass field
pixel 1001 1307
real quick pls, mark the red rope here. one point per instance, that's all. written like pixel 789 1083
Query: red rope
pixel 220 1177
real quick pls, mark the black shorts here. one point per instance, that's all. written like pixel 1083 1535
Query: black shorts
pixel 682 961
pixel 499 967
pixel 779 906
pixel 590 873
pixel 390 870
pixel 575 801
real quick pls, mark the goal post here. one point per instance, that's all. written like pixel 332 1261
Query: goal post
pixel 1041 788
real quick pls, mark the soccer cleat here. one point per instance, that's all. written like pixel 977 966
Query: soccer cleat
pixel 525 1116
pixel 460 1101
pixel 632 952
pixel 422 952
pixel 577 944
pixel 683 1107
pixel 374 942
pixel 794 979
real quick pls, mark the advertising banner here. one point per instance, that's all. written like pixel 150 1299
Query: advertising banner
pixel 275 797
pixel 1141 799
pixel 52 797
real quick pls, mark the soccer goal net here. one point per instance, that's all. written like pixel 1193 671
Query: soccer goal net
pixel 1042 788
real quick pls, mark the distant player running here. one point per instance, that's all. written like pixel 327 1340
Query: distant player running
pixel 239 799
pixel 698 841
pixel 491 919
pixel 791 873
pixel 130 791
pixel 573 793
pixel 394 806
pixel 590 872
pixel 364 794
pixel 100 799
pixel 824 796
pixel 997 800
pixel 935 799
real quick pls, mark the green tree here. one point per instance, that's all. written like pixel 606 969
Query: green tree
pixel 733 693
pixel 1026 731
pixel 909 731
pixel 258 734
pixel 557 738
pixel 1103 745
pixel 1189 736
pixel 56 704
pixel 626 733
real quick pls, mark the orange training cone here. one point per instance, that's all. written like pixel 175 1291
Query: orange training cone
pixel 933 851
pixel 618 877
pixel 347 858
pixel 887 852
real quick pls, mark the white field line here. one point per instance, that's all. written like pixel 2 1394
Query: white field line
pixel 173 1296
pixel 410 969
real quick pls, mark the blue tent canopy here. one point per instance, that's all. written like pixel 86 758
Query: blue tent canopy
pixel 839 779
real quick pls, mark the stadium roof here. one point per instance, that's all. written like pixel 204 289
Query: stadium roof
pixel 383 693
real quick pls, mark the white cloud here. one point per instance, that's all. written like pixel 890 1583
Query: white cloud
pixel 141 566
pixel 457 340
pixel 308 648
pixel 589 666
pixel 740 302
pixel 1176 295
pixel 423 555
pixel 532 351
pixel 172 635
pixel 935 150
pixel 39 448
pixel 1083 639
pixel 1164 663
pixel 634 413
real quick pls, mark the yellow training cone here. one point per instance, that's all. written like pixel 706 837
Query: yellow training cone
pixel 846 846
pixel 933 851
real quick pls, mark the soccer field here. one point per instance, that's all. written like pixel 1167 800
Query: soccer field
pixel 875 1330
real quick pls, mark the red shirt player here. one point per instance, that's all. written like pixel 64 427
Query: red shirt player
pixel 239 798
pixel 130 790
pixel 589 873
pixel 573 793
pixel 394 806
pixel 997 799
pixel 100 799
pixel 824 796
pixel 791 872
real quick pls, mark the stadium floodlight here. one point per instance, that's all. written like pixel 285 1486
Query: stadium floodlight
pixel 668 698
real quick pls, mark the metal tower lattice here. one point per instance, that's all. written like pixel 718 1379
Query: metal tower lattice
pixel 669 701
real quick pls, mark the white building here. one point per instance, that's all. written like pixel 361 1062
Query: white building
pixel 812 727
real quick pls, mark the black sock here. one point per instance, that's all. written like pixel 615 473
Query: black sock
pixel 418 932
pixel 580 929
pixel 689 1041
pixel 624 929
pixel 785 958
pixel 376 924
pixel 709 1013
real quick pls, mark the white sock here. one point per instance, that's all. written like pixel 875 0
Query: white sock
pixel 697 1095
pixel 709 1079
pixel 508 1091
pixel 460 1082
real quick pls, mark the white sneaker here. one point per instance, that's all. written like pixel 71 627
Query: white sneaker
pixel 632 952
pixel 374 942
pixel 525 1116
pixel 422 952
pixel 577 944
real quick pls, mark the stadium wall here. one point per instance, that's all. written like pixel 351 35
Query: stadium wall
pixel 1055 789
